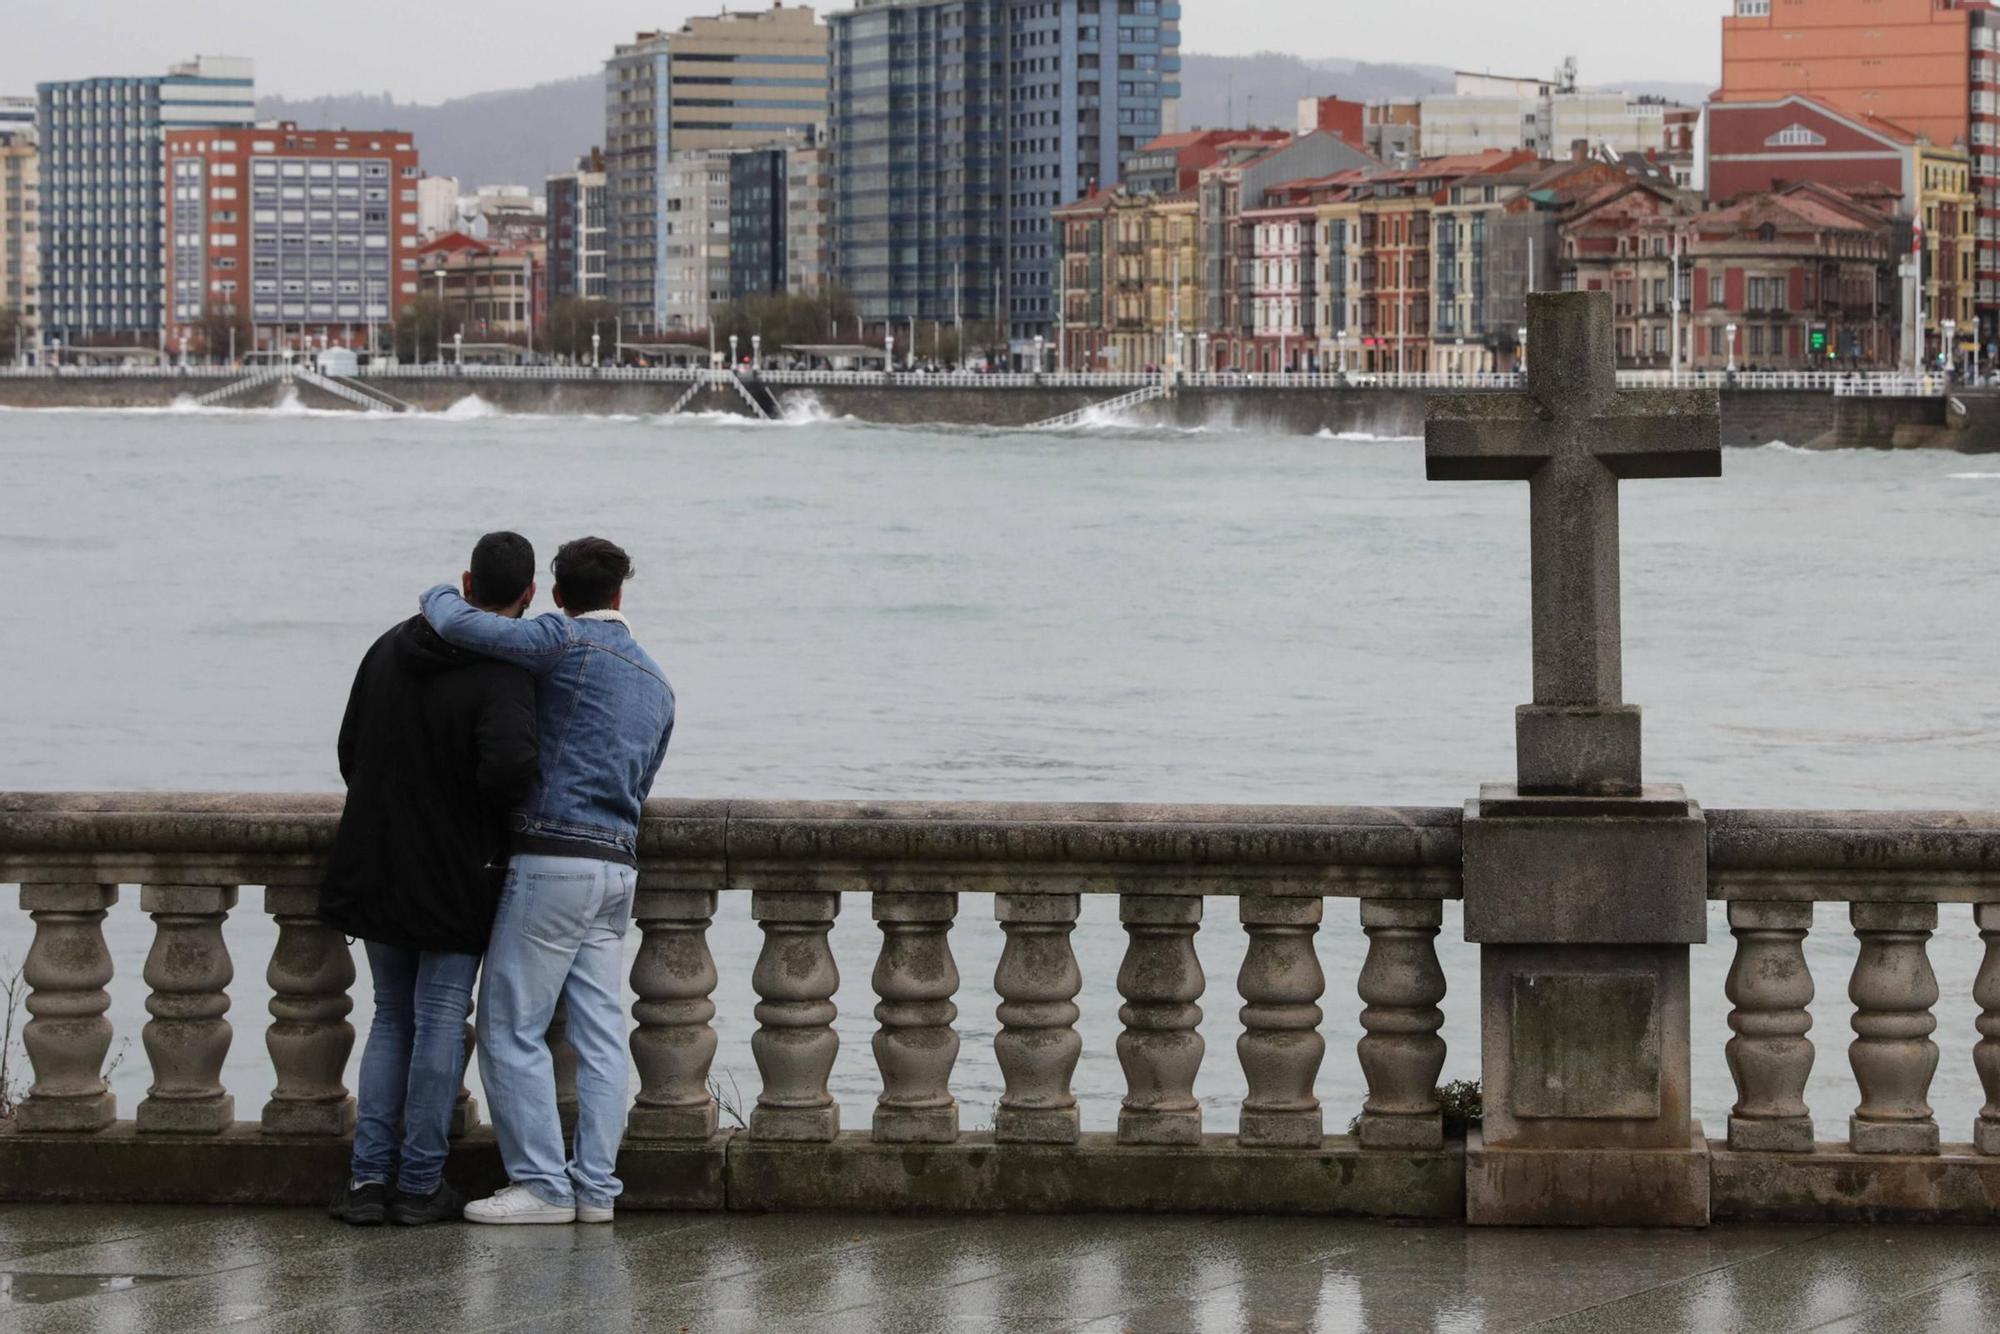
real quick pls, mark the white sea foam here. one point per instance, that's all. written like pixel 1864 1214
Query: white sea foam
pixel 471 408
pixel 1361 437
pixel 807 410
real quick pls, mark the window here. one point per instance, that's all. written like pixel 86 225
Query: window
pixel 1795 136
pixel 1717 293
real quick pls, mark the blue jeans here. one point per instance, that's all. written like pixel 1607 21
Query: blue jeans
pixel 413 1066
pixel 560 933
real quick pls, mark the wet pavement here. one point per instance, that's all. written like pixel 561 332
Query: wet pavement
pixel 141 1269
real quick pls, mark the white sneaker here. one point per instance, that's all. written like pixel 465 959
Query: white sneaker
pixel 593 1213
pixel 517 1204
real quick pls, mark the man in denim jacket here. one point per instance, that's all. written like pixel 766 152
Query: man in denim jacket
pixel 605 713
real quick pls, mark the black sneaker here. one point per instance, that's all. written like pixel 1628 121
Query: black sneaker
pixel 444 1204
pixel 365 1205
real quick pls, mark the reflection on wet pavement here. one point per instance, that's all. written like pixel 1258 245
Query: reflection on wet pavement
pixel 158 1269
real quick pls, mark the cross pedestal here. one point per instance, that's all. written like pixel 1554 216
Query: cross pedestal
pixel 1583 886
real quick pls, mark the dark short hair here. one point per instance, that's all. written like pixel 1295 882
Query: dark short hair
pixel 589 572
pixel 503 565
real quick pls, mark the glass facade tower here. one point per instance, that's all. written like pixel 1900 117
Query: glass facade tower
pixel 958 125
pixel 103 192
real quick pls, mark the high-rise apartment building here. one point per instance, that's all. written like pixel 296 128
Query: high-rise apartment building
pixel 291 238
pixel 808 220
pixel 694 230
pixel 576 231
pixel 946 175
pixel 20 279
pixel 757 179
pixel 744 80
pixel 103 192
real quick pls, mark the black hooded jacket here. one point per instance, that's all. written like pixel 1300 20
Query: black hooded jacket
pixel 437 745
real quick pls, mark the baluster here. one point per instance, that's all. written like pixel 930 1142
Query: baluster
pixel 1160 1049
pixel 1281 1049
pixel 795 1045
pixel 1986 1052
pixel 309 1038
pixel 562 1057
pixel 187 1038
pixel 674 1043
pixel 916 1046
pixel 1037 1046
pixel 66 971
pixel 1893 1056
pixel 1770 1057
pixel 1401 1055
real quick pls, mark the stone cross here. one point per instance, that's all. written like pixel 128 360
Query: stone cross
pixel 1571 437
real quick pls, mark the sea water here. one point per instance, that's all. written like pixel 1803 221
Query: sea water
pixel 1108 614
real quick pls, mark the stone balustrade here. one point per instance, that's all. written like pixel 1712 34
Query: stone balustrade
pixel 1893 870
pixel 800 864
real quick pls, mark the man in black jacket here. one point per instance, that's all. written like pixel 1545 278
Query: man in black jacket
pixel 437 746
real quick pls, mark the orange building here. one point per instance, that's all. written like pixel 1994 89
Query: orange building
pixel 1907 61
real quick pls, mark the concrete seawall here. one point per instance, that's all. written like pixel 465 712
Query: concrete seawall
pixel 1802 418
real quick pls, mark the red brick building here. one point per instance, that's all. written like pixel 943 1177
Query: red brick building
pixel 1336 116
pixel 1806 277
pixel 1769 145
pixel 1620 240
pixel 1809 265
pixel 282 238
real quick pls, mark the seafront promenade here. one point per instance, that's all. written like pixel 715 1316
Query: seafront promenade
pixel 1805 409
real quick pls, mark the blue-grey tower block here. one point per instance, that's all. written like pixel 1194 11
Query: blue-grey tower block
pixel 1583 886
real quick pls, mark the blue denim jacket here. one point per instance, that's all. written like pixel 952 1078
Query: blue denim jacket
pixel 604 711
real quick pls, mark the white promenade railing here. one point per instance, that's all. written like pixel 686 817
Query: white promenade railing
pixel 1869 384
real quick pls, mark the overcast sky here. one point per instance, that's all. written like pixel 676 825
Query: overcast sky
pixel 430 50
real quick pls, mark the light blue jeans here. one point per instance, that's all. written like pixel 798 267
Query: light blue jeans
pixel 560 932
pixel 412 1066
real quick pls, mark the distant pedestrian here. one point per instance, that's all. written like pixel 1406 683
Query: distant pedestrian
pixel 606 714
pixel 437 746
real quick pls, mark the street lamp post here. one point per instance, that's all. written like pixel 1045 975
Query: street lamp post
pixel 1038 354
pixel 184 349
pixel 889 352
pixel 757 352
pixel 732 352
pixel 458 348
pixel 1729 332
pixel 596 340
pixel 1521 355
pixel 1950 350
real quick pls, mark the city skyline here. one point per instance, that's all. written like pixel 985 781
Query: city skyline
pixel 298 57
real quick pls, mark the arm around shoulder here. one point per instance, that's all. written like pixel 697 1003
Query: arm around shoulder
pixel 534 643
